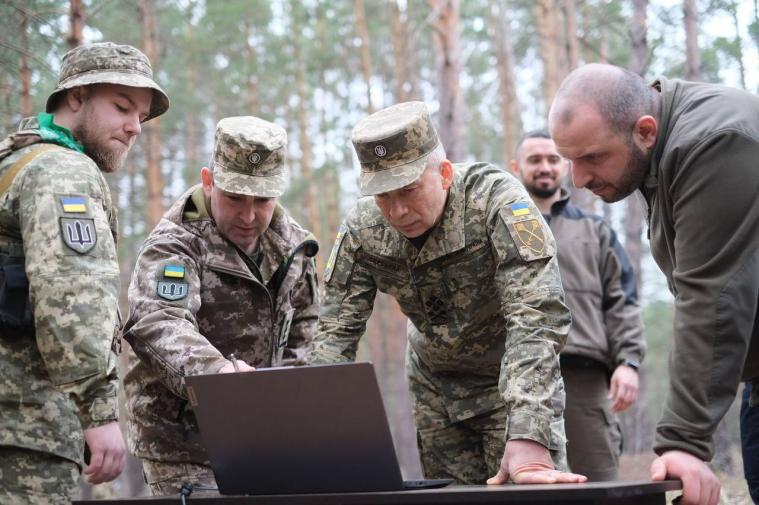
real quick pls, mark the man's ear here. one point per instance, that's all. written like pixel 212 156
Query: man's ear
pixel 645 132
pixel 76 97
pixel 514 167
pixel 446 173
pixel 206 179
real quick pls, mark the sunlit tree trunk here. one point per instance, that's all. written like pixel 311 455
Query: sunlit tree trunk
pixel 692 51
pixel 250 64
pixel 151 129
pixel 511 119
pixel 25 72
pixel 572 43
pixel 405 85
pixel 445 32
pixel 76 23
pixel 366 58
pixel 304 140
pixel 549 30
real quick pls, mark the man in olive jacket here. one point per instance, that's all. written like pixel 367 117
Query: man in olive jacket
pixel 691 151
pixel 226 271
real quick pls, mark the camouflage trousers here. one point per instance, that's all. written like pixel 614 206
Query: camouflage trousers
pixel 36 478
pixel 470 451
pixel 167 478
pixel 594 438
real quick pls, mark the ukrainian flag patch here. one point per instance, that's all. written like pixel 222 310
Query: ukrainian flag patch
pixel 520 209
pixel 173 271
pixel 74 204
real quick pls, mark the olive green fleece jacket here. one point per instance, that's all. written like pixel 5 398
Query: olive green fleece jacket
pixel 702 191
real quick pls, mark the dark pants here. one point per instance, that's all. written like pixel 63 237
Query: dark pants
pixel 750 441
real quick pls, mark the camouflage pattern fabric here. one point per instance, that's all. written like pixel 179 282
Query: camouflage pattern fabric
pixel 486 311
pixel 57 218
pixel 392 146
pixel 193 300
pixel 249 157
pixel 36 478
pixel 106 62
pixel 166 479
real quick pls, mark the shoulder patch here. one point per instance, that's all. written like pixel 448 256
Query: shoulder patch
pixel 79 234
pixel 333 255
pixel 171 284
pixel 527 230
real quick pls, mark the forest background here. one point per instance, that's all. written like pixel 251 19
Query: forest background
pixel 487 69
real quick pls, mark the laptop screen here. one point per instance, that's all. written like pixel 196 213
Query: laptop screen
pixel 308 429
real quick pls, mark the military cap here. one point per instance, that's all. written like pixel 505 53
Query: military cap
pixel 392 146
pixel 109 63
pixel 249 157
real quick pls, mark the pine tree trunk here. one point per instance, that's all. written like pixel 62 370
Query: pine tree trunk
pixel 151 129
pixel 404 80
pixel 546 20
pixel 313 222
pixel 693 54
pixel 570 35
pixel 77 18
pixel 511 119
pixel 638 417
pixel 251 84
pixel 366 59
pixel 445 30
pixel 25 73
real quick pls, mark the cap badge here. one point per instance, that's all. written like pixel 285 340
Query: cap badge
pixel 380 150
pixel 254 158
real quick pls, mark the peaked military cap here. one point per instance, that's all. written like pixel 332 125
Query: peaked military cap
pixel 249 157
pixel 109 63
pixel 392 146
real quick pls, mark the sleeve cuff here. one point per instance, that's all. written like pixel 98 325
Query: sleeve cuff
pixel 524 426
pixel 101 411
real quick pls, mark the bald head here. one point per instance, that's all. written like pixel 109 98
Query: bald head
pixel 619 96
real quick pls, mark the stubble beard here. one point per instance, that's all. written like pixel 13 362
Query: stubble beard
pixel 634 173
pixel 107 159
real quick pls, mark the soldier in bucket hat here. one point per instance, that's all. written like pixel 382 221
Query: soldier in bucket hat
pixel 470 261
pixel 226 281
pixel 59 275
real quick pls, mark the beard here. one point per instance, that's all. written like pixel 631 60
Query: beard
pixel 542 192
pixel 93 140
pixel 633 175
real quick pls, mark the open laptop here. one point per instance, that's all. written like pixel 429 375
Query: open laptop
pixel 314 429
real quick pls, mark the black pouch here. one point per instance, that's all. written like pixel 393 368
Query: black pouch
pixel 15 309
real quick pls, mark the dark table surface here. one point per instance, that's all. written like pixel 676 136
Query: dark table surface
pixel 619 492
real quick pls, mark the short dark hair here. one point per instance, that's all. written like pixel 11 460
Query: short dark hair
pixel 540 133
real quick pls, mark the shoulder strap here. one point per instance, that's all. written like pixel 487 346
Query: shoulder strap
pixel 7 179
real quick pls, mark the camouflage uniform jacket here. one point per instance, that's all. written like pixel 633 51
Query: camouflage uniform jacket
pixel 219 307
pixel 57 218
pixel 483 296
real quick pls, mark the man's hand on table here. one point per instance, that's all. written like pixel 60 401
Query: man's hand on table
pixel 700 485
pixel 528 462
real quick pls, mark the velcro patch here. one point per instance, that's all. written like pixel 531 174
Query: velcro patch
pixel 172 290
pixel 527 230
pixel 74 204
pixel 173 271
pixel 330 268
pixel 79 234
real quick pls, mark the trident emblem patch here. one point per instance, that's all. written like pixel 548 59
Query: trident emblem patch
pixel 79 234
pixel 172 290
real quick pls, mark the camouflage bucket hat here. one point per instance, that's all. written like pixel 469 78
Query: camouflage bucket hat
pixel 392 146
pixel 249 157
pixel 106 62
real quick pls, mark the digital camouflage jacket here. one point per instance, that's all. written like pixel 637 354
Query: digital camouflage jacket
pixel 195 299
pixel 483 296
pixel 58 221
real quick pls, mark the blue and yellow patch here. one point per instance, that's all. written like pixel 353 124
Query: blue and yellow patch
pixel 74 204
pixel 173 271
pixel 520 209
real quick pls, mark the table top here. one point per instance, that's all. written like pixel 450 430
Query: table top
pixel 554 493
